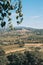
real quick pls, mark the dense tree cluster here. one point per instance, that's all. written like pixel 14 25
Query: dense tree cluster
pixel 26 58
pixel 3 59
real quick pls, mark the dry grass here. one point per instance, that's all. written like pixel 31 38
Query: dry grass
pixel 15 47
pixel 11 37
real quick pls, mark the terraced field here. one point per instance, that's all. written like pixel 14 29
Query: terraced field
pixel 9 41
pixel 15 48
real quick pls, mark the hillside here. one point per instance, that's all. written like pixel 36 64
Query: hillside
pixel 21 34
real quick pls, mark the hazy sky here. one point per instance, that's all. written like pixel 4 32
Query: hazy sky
pixel 33 14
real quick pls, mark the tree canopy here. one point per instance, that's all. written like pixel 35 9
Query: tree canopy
pixel 6 8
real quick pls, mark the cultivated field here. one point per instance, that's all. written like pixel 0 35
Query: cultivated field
pixel 15 48
pixel 11 41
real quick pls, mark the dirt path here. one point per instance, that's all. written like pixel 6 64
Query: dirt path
pixel 11 51
pixel 14 48
pixel 34 45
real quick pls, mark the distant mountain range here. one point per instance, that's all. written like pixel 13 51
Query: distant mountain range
pixel 28 28
pixel 33 30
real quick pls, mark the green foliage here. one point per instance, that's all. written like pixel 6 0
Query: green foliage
pixel 3 24
pixel 26 58
pixel 6 6
pixel 3 59
pixel 17 59
pixel 37 49
pixel 34 58
pixel 21 44
pixel 10 26
pixel 31 59
pixel 18 11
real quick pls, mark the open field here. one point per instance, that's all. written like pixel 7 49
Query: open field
pixel 27 36
pixel 14 42
pixel 15 48
pixel 9 41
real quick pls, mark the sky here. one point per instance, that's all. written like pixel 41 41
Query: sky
pixel 32 14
